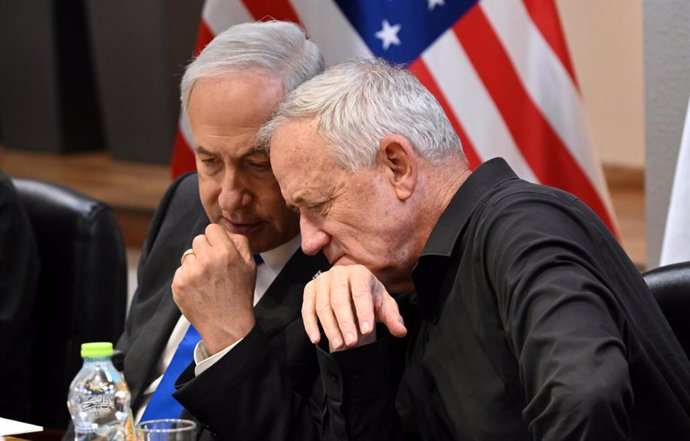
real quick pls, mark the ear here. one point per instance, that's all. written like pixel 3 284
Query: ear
pixel 399 161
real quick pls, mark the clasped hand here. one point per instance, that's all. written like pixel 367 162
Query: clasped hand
pixel 214 287
pixel 348 300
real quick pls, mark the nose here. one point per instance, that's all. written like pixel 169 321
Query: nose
pixel 234 194
pixel 313 237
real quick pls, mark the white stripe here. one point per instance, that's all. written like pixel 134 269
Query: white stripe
pixel 548 84
pixel 221 14
pixel 328 27
pixel 185 129
pixel 472 104
pixel 675 247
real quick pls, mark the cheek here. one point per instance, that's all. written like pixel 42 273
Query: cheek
pixel 269 201
pixel 208 193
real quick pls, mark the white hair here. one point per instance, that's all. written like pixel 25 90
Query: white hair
pixel 273 47
pixel 357 103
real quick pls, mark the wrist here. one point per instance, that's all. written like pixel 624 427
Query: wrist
pixel 223 338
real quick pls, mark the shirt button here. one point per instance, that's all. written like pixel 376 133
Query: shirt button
pixel 333 378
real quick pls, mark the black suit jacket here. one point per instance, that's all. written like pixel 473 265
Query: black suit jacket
pixel 238 397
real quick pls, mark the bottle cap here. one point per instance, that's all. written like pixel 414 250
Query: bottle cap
pixel 97 349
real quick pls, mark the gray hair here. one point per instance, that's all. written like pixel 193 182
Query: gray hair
pixel 357 103
pixel 274 47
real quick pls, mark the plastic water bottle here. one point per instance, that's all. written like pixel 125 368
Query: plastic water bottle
pixel 99 399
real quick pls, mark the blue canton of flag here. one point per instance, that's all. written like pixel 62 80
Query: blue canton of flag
pixel 400 30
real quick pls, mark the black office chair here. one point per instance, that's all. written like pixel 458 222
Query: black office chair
pixel 81 293
pixel 670 285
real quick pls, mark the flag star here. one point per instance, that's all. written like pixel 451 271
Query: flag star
pixel 434 3
pixel 389 34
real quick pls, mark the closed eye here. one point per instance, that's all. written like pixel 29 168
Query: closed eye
pixel 259 166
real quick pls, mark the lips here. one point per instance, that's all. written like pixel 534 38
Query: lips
pixel 241 227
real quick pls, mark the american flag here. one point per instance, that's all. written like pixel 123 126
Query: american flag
pixel 500 69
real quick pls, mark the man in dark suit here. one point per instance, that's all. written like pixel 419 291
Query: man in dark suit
pixel 241 279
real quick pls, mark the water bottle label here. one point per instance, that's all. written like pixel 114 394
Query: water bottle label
pixel 99 405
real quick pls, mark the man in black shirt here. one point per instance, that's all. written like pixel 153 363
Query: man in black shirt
pixel 536 323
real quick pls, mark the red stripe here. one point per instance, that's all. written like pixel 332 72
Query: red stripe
pixel 545 16
pixel 203 37
pixel 263 10
pixel 421 71
pixel 546 154
pixel 183 159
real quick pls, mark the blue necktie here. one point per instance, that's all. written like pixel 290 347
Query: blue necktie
pixel 162 403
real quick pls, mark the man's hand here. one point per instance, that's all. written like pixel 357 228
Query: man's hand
pixel 214 287
pixel 348 300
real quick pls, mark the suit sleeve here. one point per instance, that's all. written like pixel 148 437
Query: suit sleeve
pixel 360 388
pixel 364 388
pixel 247 395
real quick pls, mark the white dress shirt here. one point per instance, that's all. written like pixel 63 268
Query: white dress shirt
pixel 273 263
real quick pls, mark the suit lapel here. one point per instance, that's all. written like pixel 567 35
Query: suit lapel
pixel 282 302
pixel 147 348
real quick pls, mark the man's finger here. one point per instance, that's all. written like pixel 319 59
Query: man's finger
pixel 324 311
pixel 362 297
pixel 200 244
pixel 389 315
pixel 311 323
pixel 342 304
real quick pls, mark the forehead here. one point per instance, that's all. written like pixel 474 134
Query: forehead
pixel 301 160
pixel 231 107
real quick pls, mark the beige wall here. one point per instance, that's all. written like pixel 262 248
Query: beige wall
pixel 606 44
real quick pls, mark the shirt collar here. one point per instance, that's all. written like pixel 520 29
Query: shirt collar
pixel 432 266
pixel 278 257
pixel 448 227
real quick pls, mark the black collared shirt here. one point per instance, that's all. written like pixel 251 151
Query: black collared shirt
pixel 536 326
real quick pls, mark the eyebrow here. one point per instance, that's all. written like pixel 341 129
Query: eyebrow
pixel 252 151
pixel 202 151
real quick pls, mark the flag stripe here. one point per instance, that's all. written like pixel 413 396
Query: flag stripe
pixel 677 234
pixel 421 71
pixel 537 65
pixel 183 159
pixel 204 37
pixel 327 26
pixel 263 10
pixel 221 14
pixel 545 17
pixel 502 74
pixel 472 105
pixel 548 157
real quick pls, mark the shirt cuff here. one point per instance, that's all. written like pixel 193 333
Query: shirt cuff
pixel 203 361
